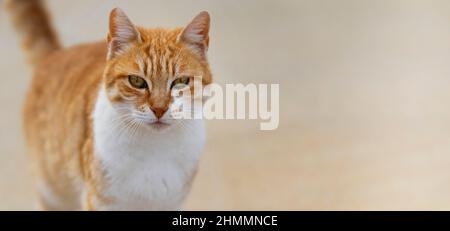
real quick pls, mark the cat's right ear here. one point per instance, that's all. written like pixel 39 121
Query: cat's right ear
pixel 122 33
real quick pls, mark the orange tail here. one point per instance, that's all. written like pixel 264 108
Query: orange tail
pixel 33 24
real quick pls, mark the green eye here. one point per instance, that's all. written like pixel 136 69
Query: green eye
pixel 180 81
pixel 137 81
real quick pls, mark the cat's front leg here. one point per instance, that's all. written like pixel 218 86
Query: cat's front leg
pixel 88 201
pixel 93 200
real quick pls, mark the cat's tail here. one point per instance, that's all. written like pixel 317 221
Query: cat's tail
pixel 33 25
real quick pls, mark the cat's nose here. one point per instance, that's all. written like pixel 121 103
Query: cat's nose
pixel 159 111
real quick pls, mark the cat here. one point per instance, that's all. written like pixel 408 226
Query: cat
pixel 99 118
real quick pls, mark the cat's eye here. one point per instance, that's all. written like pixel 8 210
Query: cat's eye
pixel 137 82
pixel 180 82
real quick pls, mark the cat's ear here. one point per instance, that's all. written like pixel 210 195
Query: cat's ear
pixel 196 33
pixel 122 33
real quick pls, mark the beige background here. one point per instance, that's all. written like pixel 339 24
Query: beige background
pixel 365 112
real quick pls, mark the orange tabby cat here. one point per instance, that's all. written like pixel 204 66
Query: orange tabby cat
pixel 98 118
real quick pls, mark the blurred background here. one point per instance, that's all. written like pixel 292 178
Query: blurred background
pixel 364 91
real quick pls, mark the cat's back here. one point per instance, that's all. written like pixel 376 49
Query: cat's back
pixel 65 79
pixel 70 67
pixel 66 75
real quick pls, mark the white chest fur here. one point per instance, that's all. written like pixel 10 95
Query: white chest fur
pixel 145 170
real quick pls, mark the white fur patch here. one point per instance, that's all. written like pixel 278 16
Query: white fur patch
pixel 146 169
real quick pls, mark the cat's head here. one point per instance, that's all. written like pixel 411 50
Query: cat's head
pixel 149 72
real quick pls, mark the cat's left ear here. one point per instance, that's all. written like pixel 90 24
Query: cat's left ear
pixel 196 34
pixel 122 33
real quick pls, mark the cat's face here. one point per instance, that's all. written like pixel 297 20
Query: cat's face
pixel 151 71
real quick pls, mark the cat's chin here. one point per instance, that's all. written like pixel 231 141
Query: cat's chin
pixel 158 125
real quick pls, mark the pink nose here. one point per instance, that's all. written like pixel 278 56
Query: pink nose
pixel 159 111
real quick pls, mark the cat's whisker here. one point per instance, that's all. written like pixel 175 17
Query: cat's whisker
pixel 120 126
pixel 136 131
pixel 120 118
pixel 125 128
